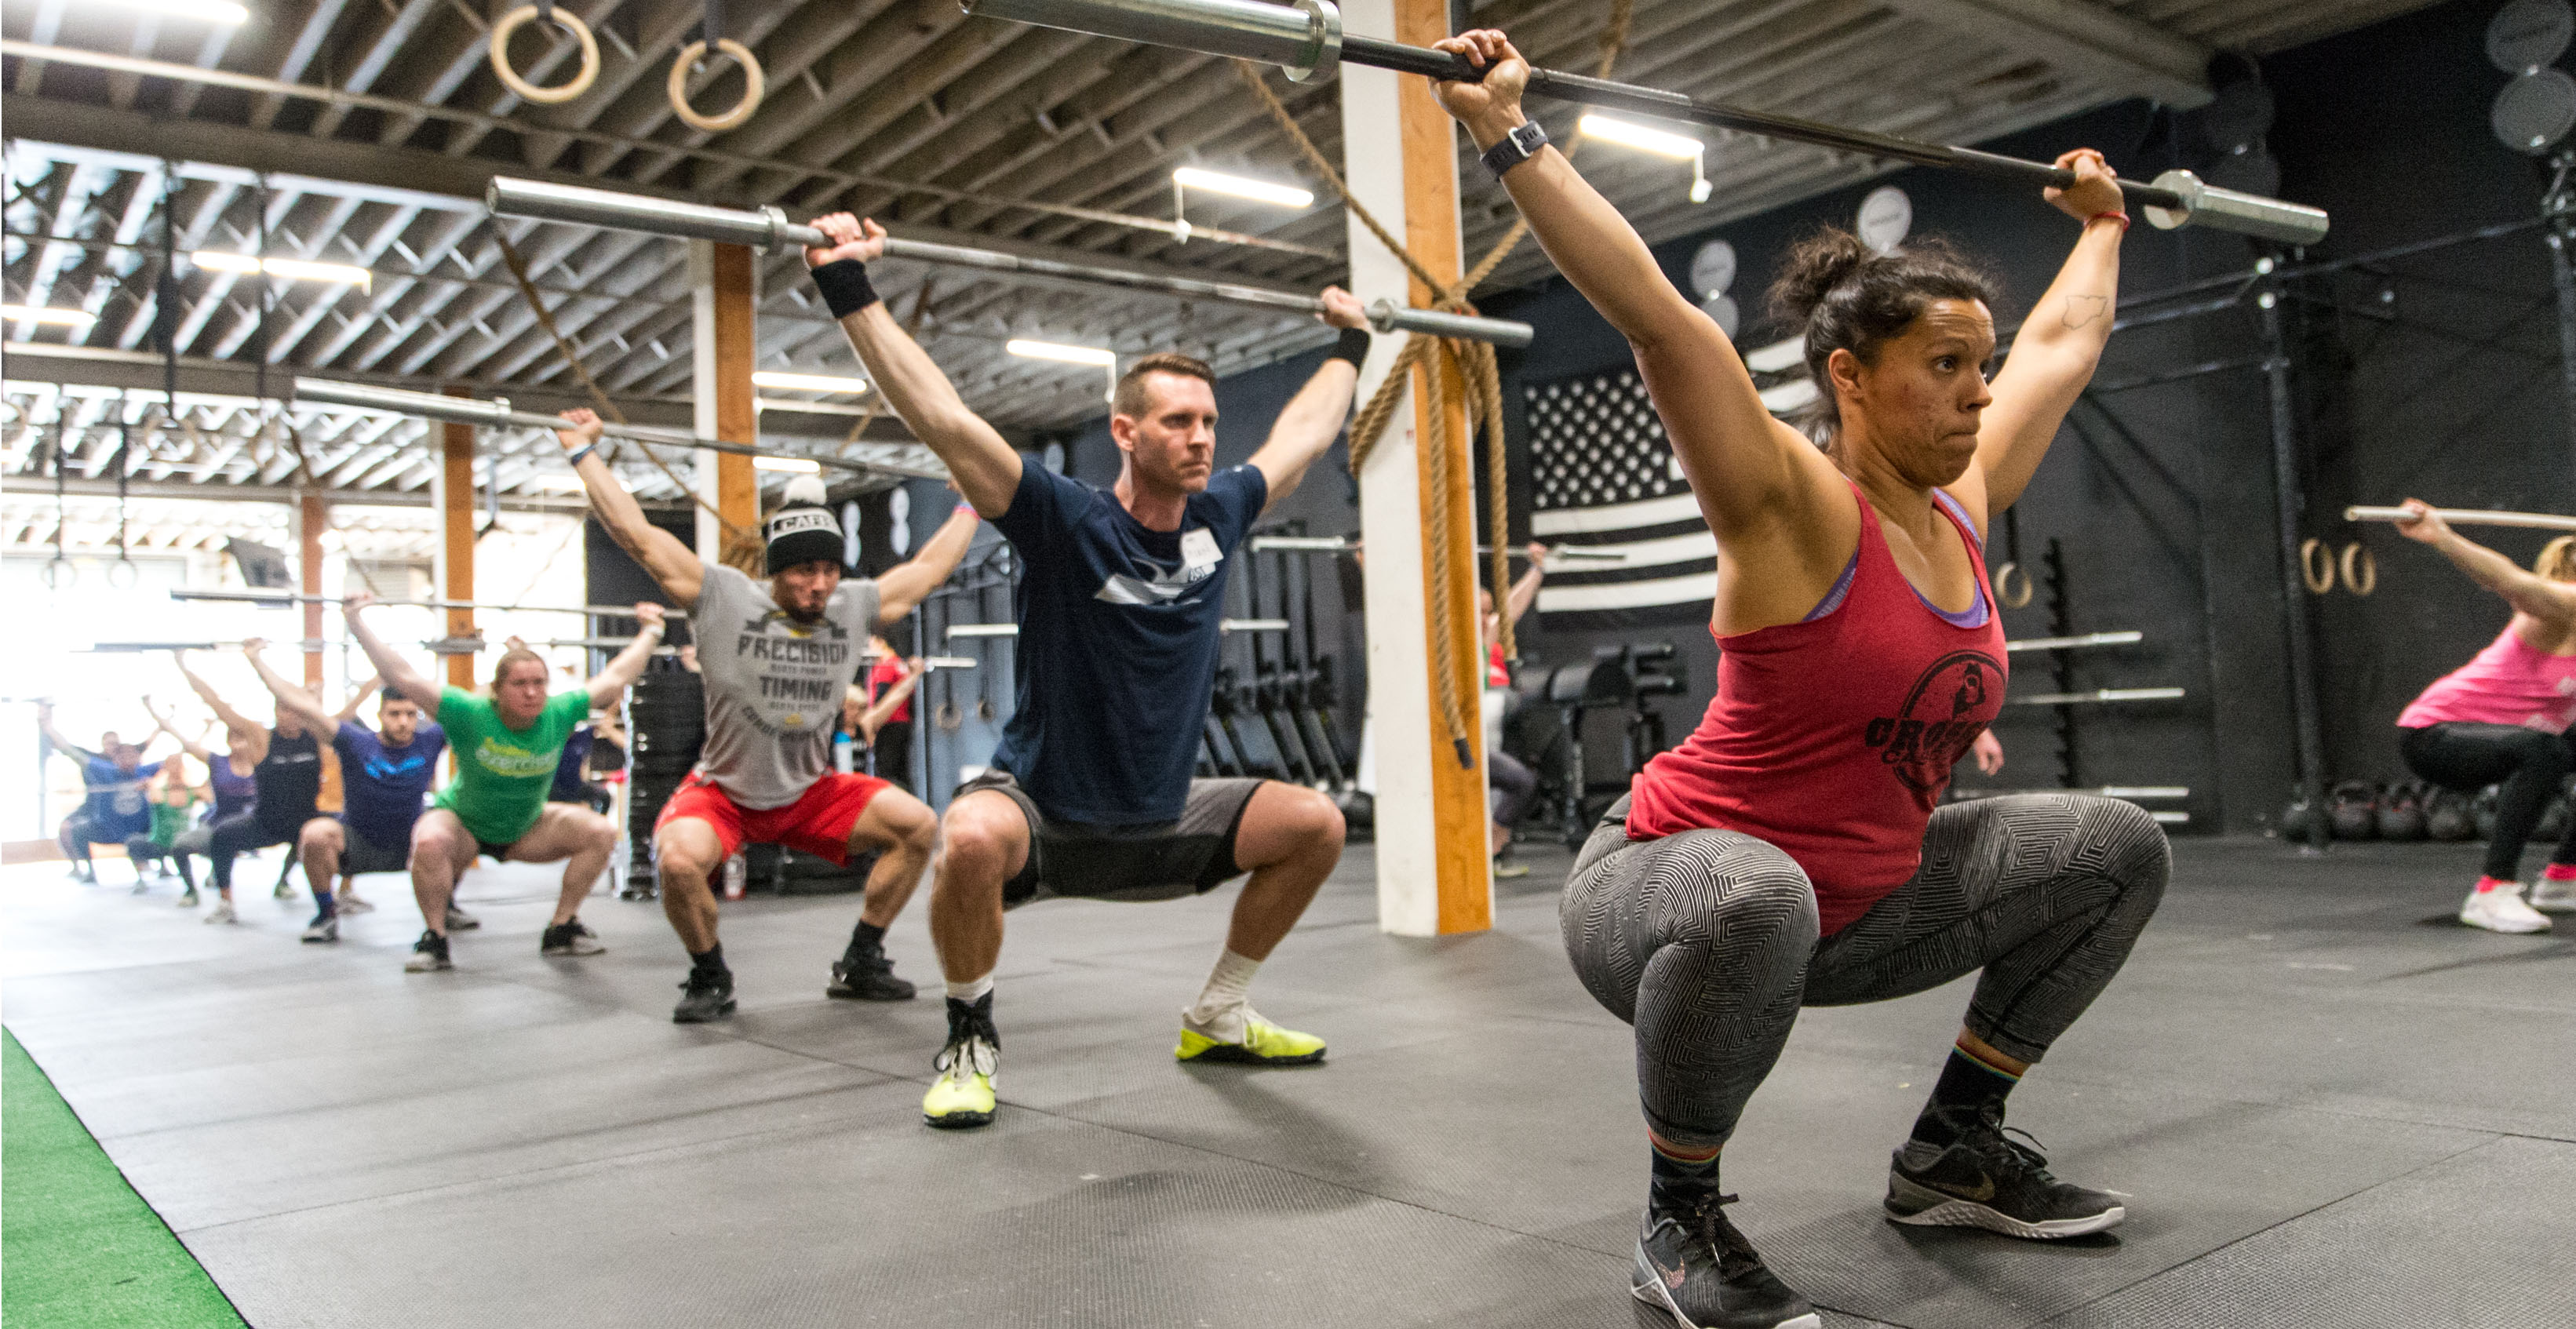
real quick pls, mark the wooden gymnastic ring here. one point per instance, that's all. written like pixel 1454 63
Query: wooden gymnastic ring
pixel 2003 586
pixel 947 716
pixel 2360 568
pixel 523 89
pixel 2316 565
pixel 752 86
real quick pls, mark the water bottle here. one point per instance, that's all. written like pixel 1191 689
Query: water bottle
pixel 844 754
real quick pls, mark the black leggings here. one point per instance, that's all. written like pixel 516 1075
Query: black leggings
pixel 236 836
pixel 2529 764
pixel 1513 783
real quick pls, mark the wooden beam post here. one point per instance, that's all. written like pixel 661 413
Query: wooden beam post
pixel 725 286
pixel 454 482
pixel 310 522
pixel 1433 854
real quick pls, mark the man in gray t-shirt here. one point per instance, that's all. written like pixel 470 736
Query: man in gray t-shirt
pixel 777 657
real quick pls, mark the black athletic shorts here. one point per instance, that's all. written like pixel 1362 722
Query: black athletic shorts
pixel 1157 861
pixel 360 855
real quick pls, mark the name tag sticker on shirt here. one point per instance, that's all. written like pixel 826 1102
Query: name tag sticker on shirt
pixel 1198 549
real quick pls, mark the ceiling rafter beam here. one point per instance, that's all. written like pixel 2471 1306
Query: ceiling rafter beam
pixel 2083 38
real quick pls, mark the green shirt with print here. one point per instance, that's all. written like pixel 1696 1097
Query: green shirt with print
pixel 503 774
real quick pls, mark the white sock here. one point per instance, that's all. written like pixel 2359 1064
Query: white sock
pixel 971 991
pixel 1222 1001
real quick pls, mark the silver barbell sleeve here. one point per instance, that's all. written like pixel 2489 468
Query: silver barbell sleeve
pixel 2467 517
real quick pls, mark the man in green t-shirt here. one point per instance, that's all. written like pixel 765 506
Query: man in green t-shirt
pixel 506 748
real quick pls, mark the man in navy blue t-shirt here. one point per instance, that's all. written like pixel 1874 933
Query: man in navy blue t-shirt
pixel 113 776
pixel 1091 793
pixel 385 777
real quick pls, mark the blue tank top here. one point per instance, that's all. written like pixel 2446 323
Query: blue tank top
pixel 234 794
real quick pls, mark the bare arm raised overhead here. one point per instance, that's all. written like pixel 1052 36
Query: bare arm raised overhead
pixel 2552 602
pixel 395 670
pixel 628 665
pixel 1313 418
pixel 906 584
pixel 675 567
pixel 982 466
pixel 290 697
pixel 1744 466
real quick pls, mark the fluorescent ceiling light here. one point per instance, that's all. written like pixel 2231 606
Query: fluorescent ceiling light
pixel 1260 191
pixel 211 11
pixel 557 482
pixel 1076 355
pixel 293 269
pixel 1640 137
pixel 70 318
pixel 793 465
pixel 772 378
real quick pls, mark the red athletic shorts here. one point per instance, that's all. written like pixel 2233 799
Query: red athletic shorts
pixel 817 824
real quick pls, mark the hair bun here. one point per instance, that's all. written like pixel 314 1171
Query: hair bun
pixel 1815 266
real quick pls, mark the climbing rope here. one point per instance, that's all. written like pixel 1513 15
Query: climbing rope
pixel 1463 376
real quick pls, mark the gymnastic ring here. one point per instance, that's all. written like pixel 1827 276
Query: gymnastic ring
pixel 2360 568
pixel 60 575
pixel 947 716
pixel 752 86
pixel 132 570
pixel 984 709
pixel 523 89
pixel 2003 586
pixel 2316 565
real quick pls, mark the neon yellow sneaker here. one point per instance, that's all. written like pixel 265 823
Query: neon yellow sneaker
pixel 1263 1044
pixel 962 1096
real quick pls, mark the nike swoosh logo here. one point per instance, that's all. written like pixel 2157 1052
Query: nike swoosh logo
pixel 1983 1191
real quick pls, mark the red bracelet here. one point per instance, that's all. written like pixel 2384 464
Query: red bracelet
pixel 2121 217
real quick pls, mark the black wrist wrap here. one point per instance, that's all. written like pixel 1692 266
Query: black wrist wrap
pixel 845 287
pixel 1354 347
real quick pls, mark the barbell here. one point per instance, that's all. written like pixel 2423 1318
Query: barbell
pixel 1306 41
pixel 2467 517
pixel 768 228
pixel 498 412
pixel 280 599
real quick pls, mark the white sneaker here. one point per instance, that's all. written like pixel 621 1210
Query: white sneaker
pixel 350 904
pixel 223 913
pixel 2553 897
pixel 2500 909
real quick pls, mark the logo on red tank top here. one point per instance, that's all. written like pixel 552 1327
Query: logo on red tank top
pixel 1944 711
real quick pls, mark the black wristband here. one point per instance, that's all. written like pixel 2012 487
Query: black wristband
pixel 1354 347
pixel 845 287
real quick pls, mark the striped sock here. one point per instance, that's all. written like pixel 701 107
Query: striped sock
pixel 1967 1085
pixel 1680 1175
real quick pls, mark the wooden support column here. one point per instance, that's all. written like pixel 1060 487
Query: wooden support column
pixel 454 483
pixel 1434 860
pixel 725 287
pixel 309 525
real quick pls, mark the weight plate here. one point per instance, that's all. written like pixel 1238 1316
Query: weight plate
pixel 1886 217
pixel 2534 111
pixel 2526 34
pixel 1712 269
pixel 2239 115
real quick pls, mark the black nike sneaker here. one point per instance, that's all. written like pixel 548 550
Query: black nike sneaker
pixel 704 997
pixel 863 973
pixel 1693 1264
pixel 1986 1181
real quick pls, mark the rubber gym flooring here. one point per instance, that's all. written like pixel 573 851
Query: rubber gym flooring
pixel 2328 1112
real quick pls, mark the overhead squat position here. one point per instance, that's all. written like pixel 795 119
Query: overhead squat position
pixel 507 746
pixel 385 777
pixel 2502 718
pixel 1090 792
pixel 777 658
pixel 286 780
pixel 114 808
pixel 1789 852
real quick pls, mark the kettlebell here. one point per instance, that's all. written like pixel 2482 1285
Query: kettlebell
pixel 2355 810
pixel 2401 813
pixel 2553 820
pixel 2299 821
pixel 2447 817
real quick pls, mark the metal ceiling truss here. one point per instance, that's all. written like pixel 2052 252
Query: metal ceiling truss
pixel 965 129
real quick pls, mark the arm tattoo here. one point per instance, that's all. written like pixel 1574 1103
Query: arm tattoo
pixel 2081 310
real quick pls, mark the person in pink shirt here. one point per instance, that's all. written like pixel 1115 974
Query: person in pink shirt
pixel 2502 719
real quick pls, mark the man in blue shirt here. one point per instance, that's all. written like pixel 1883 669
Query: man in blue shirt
pixel 1090 793
pixel 385 778
pixel 115 809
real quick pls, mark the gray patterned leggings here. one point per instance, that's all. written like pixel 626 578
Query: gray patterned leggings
pixel 1705 941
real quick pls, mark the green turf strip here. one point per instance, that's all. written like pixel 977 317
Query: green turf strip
pixel 82 1250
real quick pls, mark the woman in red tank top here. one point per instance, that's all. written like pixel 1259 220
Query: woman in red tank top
pixel 1792 852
